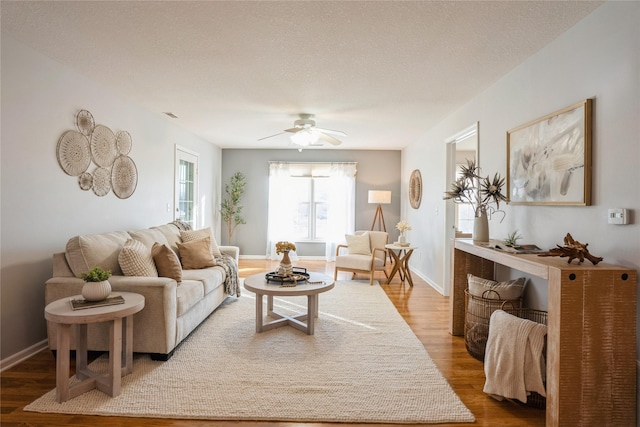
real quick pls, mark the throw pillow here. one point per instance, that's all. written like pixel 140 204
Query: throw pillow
pixel 196 254
pixel 167 262
pixel 509 290
pixel 358 244
pixel 191 235
pixel 135 259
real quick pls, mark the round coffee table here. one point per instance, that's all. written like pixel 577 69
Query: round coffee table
pixel 316 284
pixel 120 318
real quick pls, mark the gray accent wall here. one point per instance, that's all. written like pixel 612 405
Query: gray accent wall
pixel 377 170
pixel 42 207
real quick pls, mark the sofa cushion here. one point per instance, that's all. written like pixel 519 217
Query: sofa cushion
pixel 190 235
pixel 188 294
pixel 149 236
pixel 167 262
pixel 196 254
pixel 171 233
pixel 509 290
pixel 135 259
pixel 211 278
pixel 91 250
pixel 358 244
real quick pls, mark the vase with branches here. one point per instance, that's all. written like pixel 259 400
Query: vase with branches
pixel 482 193
pixel 231 208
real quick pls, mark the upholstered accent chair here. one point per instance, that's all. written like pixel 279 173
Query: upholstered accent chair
pixel 364 253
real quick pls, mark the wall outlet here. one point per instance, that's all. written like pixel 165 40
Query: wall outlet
pixel 618 216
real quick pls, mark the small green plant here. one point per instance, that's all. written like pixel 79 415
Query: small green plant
pixel 96 274
pixel 231 209
pixel 512 239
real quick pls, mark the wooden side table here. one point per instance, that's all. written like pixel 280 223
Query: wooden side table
pixel 401 255
pixel 120 318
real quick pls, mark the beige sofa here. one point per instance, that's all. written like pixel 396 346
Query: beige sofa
pixel 172 310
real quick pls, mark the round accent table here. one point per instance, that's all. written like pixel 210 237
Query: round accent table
pixel 401 255
pixel 316 284
pixel 120 318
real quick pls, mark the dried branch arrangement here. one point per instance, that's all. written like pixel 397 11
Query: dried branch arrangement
pixel 573 249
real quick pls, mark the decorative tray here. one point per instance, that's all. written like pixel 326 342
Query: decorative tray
pixel 299 275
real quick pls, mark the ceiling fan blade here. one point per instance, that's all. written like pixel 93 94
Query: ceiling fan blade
pixel 329 138
pixel 294 130
pixel 332 132
pixel 270 136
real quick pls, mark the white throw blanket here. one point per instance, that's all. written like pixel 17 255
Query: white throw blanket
pixel 513 362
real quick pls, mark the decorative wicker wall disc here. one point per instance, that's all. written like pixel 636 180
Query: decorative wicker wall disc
pixel 73 153
pixel 85 122
pixel 415 189
pixel 101 181
pixel 103 146
pixel 123 142
pixel 85 181
pixel 124 177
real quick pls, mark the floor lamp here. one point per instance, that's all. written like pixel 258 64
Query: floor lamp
pixel 380 198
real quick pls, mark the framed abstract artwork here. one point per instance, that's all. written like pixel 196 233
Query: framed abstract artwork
pixel 549 159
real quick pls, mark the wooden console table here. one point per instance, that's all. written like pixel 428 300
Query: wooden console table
pixel 591 338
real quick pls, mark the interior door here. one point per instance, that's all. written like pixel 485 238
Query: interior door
pixel 185 188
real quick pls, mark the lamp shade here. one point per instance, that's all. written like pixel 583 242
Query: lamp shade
pixel 380 197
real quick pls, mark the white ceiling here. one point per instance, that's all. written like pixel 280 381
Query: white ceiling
pixel 384 72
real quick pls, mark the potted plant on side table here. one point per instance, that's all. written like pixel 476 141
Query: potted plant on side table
pixel 97 286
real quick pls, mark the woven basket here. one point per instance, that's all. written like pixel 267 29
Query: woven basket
pixel 534 399
pixel 478 311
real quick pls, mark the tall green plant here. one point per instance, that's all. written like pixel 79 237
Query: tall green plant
pixel 231 209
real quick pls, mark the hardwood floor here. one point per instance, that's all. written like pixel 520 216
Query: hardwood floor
pixel 424 309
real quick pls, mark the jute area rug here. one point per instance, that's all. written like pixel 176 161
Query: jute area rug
pixel 363 365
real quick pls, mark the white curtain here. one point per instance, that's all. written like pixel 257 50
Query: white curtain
pixel 342 206
pixel 341 209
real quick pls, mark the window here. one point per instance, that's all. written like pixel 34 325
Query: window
pixel 186 186
pixel 310 202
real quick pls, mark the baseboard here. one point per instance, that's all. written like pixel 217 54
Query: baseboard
pixel 429 281
pixel 307 258
pixel 23 355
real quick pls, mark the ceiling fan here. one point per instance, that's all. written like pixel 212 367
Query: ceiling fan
pixel 304 133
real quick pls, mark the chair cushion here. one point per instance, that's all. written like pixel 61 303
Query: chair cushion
pixel 354 262
pixel 196 254
pixel 358 244
pixel 167 262
pixel 509 290
pixel 190 235
pixel 135 259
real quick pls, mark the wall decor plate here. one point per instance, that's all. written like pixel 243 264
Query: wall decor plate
pixel 85 180
pixel 415 189
pixel 101 181
pixel 123 142
pixel 124 177
pixel 73 153
pixel 103 146
pixel 85 122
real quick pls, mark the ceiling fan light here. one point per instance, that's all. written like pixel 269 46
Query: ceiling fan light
pixel 305 137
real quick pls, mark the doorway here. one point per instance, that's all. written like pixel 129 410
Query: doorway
pixel 458 217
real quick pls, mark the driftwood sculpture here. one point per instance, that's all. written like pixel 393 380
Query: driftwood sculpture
pixel 573 250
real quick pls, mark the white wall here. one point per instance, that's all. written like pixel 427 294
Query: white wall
pixel 42 207
pixel 598 58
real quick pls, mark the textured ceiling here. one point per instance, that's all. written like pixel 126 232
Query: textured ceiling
pixel 234 72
